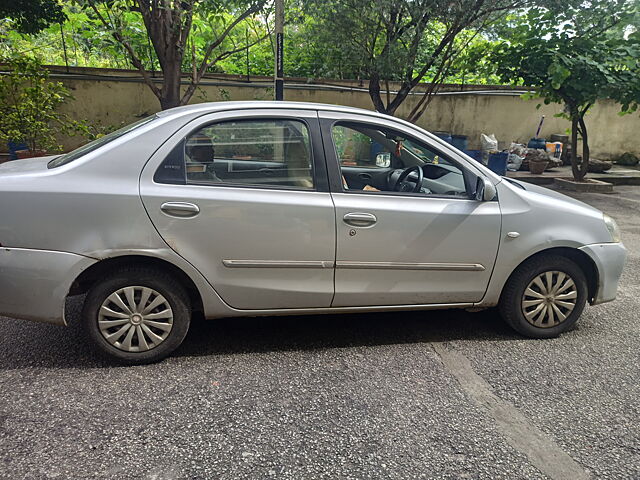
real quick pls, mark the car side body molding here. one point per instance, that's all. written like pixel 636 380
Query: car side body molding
pixel 467 267
pixel 278 263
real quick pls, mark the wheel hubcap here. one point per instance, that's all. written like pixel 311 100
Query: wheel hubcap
pixel 135 319
pixel 549 299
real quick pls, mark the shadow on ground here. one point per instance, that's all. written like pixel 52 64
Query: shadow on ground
pixel 242 335
pixel 29 344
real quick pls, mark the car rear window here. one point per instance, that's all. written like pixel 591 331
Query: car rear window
pixel 97 143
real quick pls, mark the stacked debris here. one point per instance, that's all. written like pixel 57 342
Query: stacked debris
pixel 628 159
pixel 519 154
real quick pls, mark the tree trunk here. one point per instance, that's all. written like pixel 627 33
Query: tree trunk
pixel 376 97
pixel 584 166
pixel 575 169
pixel 167 30
pixel 171 79
pixel 374 93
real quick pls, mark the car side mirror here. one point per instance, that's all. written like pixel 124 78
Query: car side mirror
pixel 485 190
pixel 383 160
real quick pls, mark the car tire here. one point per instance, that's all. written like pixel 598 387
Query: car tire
pixel 544 296
pixel 136 315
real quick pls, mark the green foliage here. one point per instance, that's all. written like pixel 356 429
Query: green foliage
pixel 310 49
pixel 406 41
pixel 547 44
pixel 88 43
pixel 31 16
pixel 576 56
pixel 171 35
pixel 576 71
pixel 28 107
pixel 473 64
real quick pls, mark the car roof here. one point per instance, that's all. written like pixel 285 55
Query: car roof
pixel 211 107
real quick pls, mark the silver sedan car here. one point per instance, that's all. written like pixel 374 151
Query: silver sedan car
pixel 263 208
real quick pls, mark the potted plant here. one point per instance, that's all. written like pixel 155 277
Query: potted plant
pixel 28 109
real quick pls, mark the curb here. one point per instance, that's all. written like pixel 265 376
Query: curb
pixel 550 180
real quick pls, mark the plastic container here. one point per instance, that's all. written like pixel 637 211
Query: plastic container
pixel 459 141
pixel 15 147
pixel 498 162
pixel 475 154
pixel 446 136
pixel 558 137
pixel 554 149
pixel 540 143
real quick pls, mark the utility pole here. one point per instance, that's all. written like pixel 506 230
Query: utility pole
pixel 279 69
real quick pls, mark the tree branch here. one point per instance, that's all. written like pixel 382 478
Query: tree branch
pixel 205 61
pixel 132 55
pixel 195 80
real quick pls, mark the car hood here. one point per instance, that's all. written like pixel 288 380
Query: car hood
pixel 530 187
pixel 25 165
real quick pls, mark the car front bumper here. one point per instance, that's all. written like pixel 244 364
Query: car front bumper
pixel 34 283
pixel 609 259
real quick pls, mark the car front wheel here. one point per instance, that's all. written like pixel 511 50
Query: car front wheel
pixel 544 297
pixel 136 316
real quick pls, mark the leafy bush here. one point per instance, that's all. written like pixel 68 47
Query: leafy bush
pixel 28 107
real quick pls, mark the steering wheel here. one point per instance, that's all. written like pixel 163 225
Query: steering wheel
pixel 402 185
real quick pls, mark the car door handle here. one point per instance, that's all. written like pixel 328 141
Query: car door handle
pixel 180 209
pixel 359 219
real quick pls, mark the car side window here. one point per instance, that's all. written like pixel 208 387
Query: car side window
pixel 355 148
pixel 372 158
pixel 259 152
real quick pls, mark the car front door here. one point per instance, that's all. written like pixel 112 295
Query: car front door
pixel 436 246
pixel 243 198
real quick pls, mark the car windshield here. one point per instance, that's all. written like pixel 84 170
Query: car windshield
pixel 97 143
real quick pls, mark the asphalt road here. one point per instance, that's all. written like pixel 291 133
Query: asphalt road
pixel 448 394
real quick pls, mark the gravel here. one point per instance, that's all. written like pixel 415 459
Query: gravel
pixel 345 396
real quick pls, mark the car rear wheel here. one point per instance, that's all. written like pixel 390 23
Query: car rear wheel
pixel 136 316
pixel 544 297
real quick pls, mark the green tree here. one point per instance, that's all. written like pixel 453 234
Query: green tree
pixel 87 42
pixel 169 26
pixel 309 50
pixel 31 16
pixel 408 41
pixel 575 57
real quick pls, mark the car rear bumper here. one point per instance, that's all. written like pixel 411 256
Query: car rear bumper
pixel 609 259
pixel 34 283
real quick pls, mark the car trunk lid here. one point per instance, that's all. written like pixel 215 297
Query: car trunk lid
pixel 25 165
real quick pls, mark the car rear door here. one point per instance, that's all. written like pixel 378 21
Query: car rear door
pixel 404 248
pixel 243 196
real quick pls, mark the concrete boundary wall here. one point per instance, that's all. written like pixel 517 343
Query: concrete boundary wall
pixel 113 97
